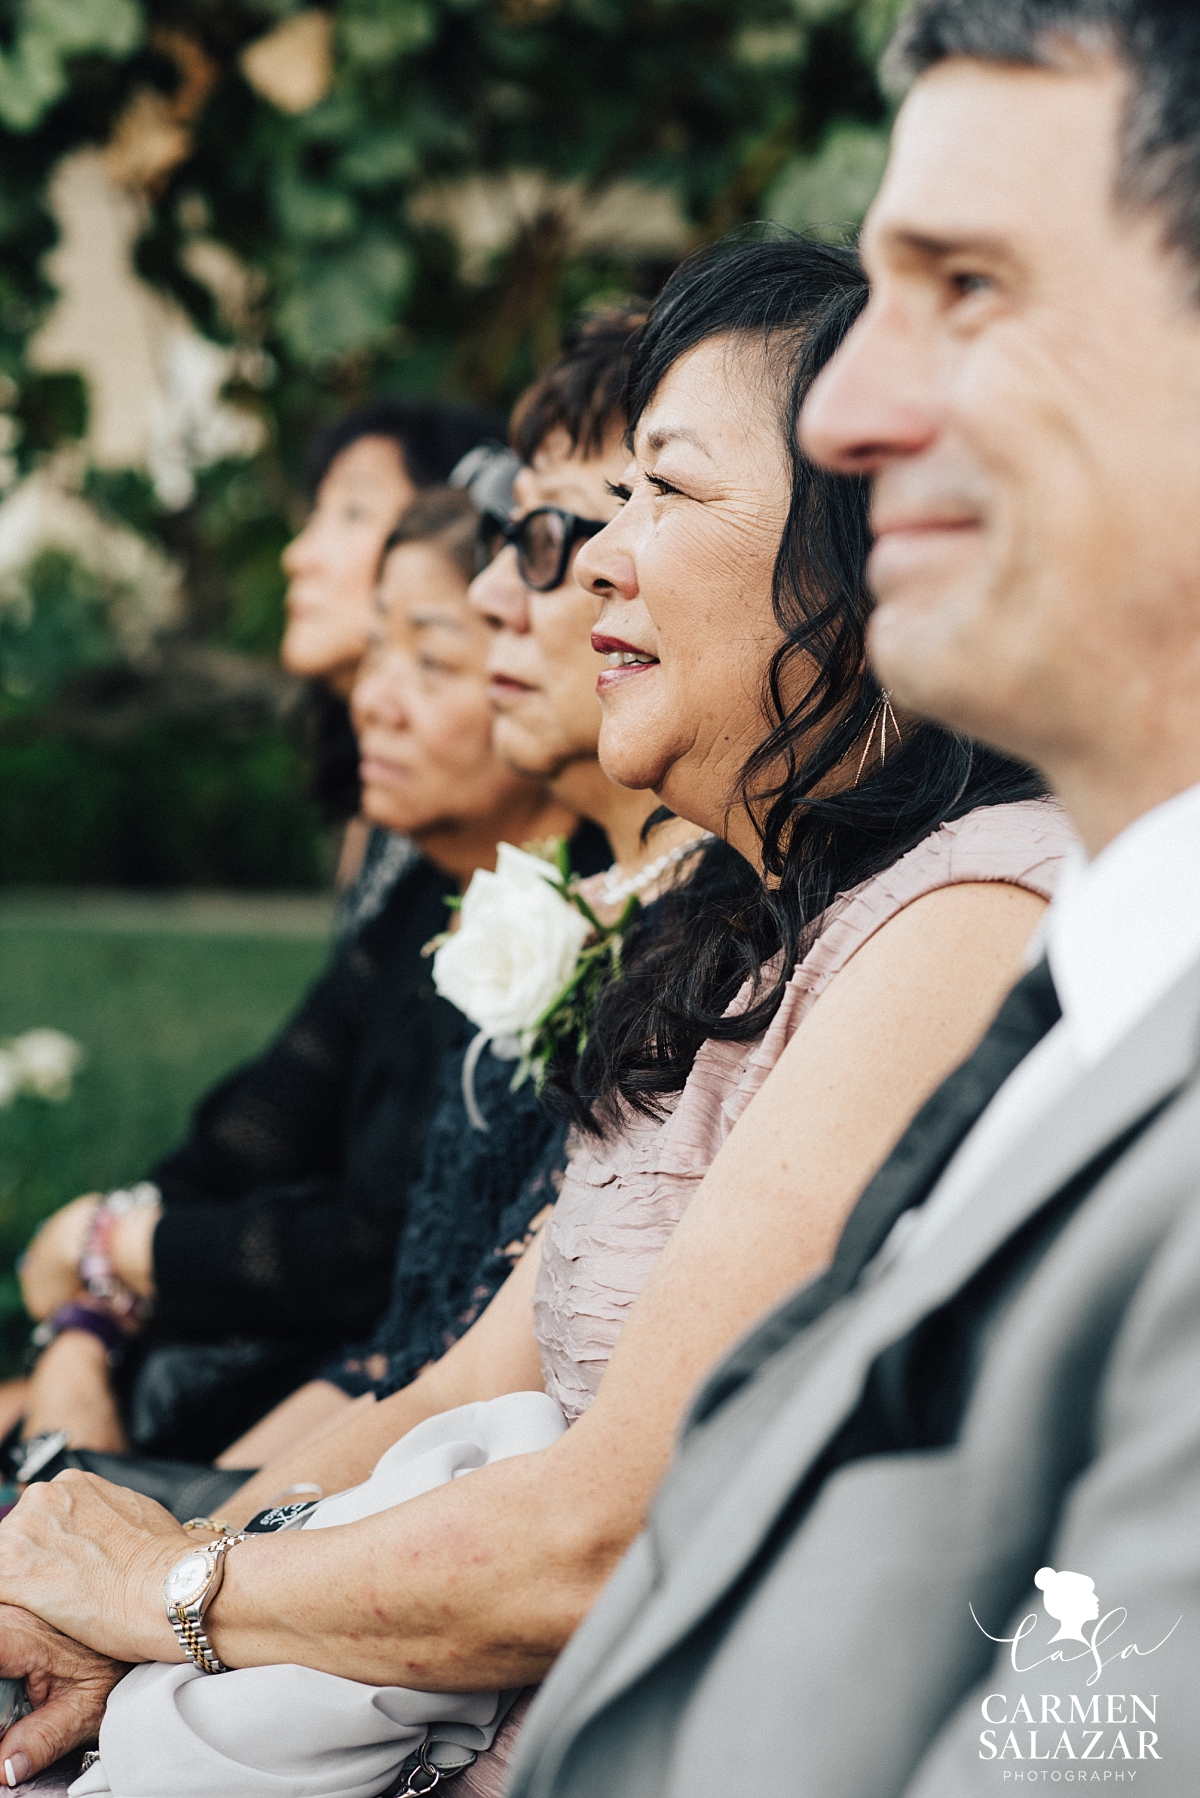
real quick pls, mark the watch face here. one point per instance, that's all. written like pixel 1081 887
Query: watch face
pixel 187 1579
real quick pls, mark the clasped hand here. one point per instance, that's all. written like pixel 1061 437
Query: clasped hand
pixel 90 1559
pixel 68 1685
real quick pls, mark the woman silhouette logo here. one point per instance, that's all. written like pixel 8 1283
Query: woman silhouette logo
pixel 1070 1598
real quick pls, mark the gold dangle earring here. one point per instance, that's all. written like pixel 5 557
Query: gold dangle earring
pixel 882 713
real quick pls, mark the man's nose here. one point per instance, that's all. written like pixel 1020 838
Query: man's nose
pixel 499 594
pixel 866 407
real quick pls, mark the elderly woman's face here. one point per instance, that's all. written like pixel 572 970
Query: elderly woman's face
pixel 420 703
pixel 683 576
pixel 331 566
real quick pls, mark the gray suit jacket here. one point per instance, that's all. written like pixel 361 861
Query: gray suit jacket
pixel 778 1631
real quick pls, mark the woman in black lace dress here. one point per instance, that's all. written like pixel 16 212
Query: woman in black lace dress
pixel 480 1196
pixel 272 1228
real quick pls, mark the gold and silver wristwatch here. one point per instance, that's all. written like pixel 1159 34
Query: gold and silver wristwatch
pixel 190 1588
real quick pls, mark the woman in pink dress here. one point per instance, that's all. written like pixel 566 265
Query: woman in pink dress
pixel 740 1084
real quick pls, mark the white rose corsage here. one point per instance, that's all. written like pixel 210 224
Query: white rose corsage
pixel 526 963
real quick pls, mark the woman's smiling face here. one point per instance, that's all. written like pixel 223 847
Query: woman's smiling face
pixel 684 575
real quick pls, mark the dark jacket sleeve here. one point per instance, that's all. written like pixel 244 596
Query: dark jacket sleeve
pixel 282 1208
pixel 279 1117
pixel 295 1262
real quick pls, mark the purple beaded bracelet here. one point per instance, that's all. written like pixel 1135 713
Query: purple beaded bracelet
pixel 99 1324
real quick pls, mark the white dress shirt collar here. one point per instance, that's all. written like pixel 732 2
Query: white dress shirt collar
pixel 1123 927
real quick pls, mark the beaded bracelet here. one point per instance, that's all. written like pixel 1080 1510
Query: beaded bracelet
pixel 97 1275
pixel 100 1324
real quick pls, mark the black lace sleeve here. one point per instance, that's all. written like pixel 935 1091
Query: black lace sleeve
pixel 303 1261
pixel 283 1115
pixel 469 1221
pixel 280 1116
pixel 282 1207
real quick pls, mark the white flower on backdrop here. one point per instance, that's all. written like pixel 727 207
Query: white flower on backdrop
pixel 143 589
pixel 40 1063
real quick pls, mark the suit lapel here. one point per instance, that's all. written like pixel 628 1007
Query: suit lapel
pixel 805 1392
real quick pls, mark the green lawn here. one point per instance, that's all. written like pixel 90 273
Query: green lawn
pixel 164 996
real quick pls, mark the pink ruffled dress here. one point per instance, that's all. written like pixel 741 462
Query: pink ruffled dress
pixel 622 1197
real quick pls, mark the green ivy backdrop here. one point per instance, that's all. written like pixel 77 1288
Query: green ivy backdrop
pixel 404 195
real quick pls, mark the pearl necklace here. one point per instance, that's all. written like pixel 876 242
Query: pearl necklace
pixel 615 890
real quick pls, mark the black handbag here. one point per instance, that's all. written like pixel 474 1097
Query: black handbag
pixel 185 1488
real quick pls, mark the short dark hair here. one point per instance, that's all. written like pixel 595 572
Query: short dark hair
pixel 430 435
pixel 442 515
pixel 583 393
pixel 1156 41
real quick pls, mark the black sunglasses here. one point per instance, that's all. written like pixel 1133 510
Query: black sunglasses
pixel 543 540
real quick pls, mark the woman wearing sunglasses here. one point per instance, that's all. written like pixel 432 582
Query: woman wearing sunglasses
pixel 542 666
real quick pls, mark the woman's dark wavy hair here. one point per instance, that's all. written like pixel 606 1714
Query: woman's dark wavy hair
pixel 687 956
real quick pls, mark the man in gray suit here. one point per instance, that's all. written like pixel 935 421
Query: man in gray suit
pixel 933 1528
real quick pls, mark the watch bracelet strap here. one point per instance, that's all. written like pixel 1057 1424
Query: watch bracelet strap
pixel 188 1631
pixel 196 1645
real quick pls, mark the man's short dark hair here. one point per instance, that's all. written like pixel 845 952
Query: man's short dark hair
pixel 1157 42
pixel 583 393
pixel 430 435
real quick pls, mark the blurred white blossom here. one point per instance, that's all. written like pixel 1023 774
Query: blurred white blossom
pixel 47 512
pixel 292 66
pixel 487 213
pixel 42 1063
pixel 155 385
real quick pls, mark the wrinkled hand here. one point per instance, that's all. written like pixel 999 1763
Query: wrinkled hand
pixel 49 1273
pixel 68 1686
pixel 90 1559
